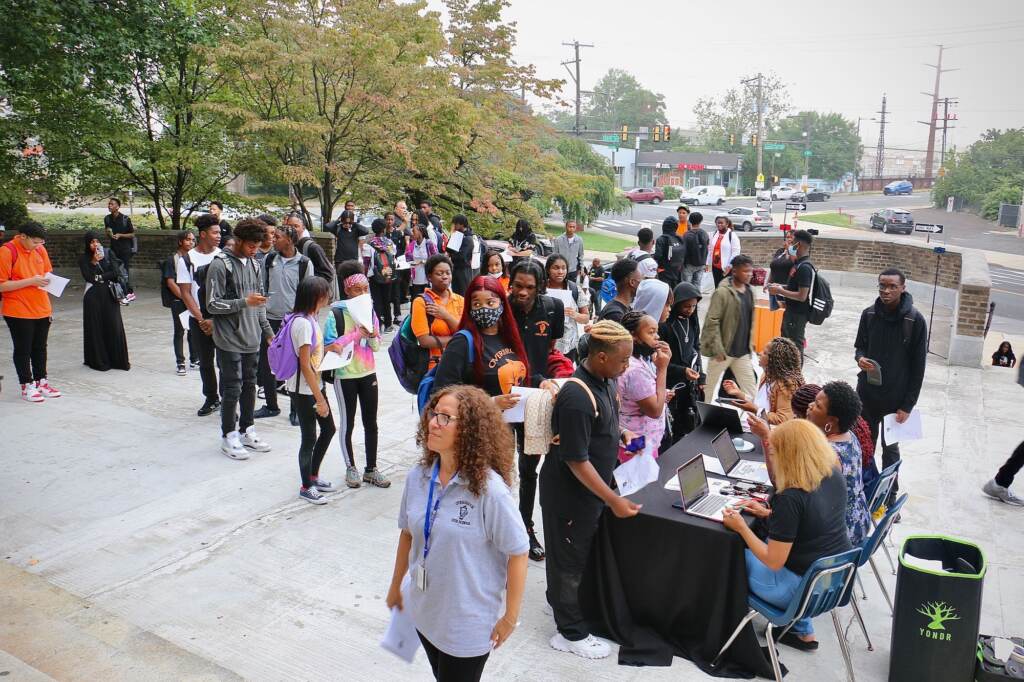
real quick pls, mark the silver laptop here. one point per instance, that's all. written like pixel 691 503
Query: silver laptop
pixel 732 465
pixel 698 500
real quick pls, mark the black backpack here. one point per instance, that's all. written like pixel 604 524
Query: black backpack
pixel 383 266
pixel 696 247
pixel 820 301
pixel 200 280
pixel 269 261
pixel 167 270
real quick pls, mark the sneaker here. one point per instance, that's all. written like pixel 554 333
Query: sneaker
pixel 387 330
pixel 193 365
pixel 129 297
pixel 31 393
pixel 536 551
pixel 374 477
pixel 208 407
pixel 992 489
pixel 352 478
pixel 253 442
pixel 261 394
pixel 231 445
pixel 312 495
pixel 46 389
pixel 264 412
pixel 181 370
pixel 324 486
pixel 589 647
pixel 293 418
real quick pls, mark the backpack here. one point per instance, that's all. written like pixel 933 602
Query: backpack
pixel 281 355
pixel 269 261
pixel 409 360
pixel 383 266
pixel 426 386
pixel 608 289
pixel 908 324
pixel 820 302
pixel 199 278
pixel 696 254
pixel 167 297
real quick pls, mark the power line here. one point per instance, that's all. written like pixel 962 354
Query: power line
pixel 576 45
pixel 934 94
pixel 880 150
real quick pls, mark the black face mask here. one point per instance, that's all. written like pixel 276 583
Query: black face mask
pixel 642 349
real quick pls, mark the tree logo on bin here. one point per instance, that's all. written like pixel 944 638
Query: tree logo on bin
pixel 938 612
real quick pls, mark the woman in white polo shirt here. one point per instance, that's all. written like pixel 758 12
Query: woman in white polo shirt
pixel 462 538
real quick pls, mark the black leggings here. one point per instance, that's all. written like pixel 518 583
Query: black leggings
pixel 380 294
pixel 448 668
pixel 29 339
pixel 527 479
pixel 312 447
pixel 348 392
pixel 1011 467
pixel 177 308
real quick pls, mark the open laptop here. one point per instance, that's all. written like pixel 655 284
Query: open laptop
pixel 718 417
pixel 732 465
pixel 698 500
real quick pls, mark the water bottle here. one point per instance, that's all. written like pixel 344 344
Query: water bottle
pixel 99 251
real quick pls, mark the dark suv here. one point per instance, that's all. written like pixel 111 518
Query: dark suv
pixel 893 220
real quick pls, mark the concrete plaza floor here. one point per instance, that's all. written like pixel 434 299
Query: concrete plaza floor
pixel 133 550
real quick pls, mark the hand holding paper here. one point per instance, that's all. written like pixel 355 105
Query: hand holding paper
pixel 895 432
pixel 56 284
pixel 637 472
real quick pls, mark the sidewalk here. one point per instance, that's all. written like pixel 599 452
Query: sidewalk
pixel 134 550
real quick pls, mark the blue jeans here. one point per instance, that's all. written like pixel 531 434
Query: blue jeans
pixel 775 587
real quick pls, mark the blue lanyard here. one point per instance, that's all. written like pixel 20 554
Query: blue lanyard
pixel 432 507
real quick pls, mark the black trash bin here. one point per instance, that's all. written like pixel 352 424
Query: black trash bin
pixel 937 612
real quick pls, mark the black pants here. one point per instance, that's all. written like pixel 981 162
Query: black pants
pixel 204 348
pixel 364 391
pixel 29 340
pixel 596 303
pixel 1011 467
pixel 794 326
pixel 237 389
pixel 381 296
pixel 125 256
pixel 567 542
pixel 396 298
pixel 448 668
pixel 312 446
pixel 267 379
pixel 873 414
pixel 461 279
pixel 527 478
pixel 718 274
pixel 177 308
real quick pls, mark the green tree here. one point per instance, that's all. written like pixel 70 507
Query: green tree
pixel 832 139
pixel 986 174
pixel 735 112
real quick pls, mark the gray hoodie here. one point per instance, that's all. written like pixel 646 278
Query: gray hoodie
pixel 237 327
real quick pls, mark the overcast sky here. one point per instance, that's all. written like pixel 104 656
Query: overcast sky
pixel 834 56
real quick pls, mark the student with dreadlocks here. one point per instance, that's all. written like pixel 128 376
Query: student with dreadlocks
pixel 781 378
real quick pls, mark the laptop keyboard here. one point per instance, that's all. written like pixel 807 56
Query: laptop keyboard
pixel 710 505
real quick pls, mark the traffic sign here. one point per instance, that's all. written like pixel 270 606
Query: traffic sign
pixel 949 204
pixel 759 184
pixel 774 146
pixel 795 207
pixel 610 138
pixel 760 177
pixel 928 227
pixel 807 152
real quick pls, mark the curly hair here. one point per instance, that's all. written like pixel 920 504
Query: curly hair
pixel 483 441
pixel 784 363
pixel 843 404
pixel 631 320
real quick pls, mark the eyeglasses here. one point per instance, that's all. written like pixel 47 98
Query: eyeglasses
pixel 442 418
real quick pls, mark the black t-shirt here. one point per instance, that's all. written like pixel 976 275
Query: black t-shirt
pixel 225 232
pixel 780 267
pixel 581 437
pixel 614 310
pixel 347 246
pixel 122 224
pixel 596 273
pixel 502 367
pixel 539 329
pixel 463 257
pixel 815 522
pixel 800 277
pixel 741 340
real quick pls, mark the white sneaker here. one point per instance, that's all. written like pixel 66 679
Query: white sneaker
pixel 231 445
pixel 590 647
pixel 253 442
pixel 48 391
pixel 30 392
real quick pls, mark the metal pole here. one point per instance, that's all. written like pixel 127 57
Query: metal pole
pixel 760 124
pixel 576 44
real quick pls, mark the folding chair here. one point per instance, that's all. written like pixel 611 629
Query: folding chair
pixel 876 497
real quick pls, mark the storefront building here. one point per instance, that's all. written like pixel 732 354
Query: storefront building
pixel 688 169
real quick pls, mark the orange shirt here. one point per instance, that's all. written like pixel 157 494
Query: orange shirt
pixel 716 254
pixel 28 303
pixel 438 327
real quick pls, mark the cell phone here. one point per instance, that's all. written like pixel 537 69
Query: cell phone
pixel 732 401
pixel 637 444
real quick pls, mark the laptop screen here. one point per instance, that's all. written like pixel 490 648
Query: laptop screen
pixel 725 451
pixel 693 482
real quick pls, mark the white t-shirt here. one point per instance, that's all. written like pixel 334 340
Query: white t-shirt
pixel 183 276
pixel 648 267
pixel 301 333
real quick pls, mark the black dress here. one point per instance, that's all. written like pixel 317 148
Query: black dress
pixel 105 343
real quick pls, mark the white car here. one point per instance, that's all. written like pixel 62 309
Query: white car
pixel 777 193
pixel 703 195
pixel 749 219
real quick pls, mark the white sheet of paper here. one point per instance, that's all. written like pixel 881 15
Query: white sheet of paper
pixel 908 430
pixel 517 413
pixel 637 472
pixel 183 318
pixel 563 295
pixel 505 257
pixel 712 465
pixel 334 360
pixel 401 638
pixel 455 241
pixel 56 285
pixel 361 310
pixel 401 263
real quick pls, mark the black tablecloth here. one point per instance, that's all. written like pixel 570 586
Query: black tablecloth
pixel 665 583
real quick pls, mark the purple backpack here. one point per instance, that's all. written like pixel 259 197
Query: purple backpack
pixel 281 354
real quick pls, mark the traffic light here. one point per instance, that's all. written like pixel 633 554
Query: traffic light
pixel 657 133
pixel 667 133
pixel 753 139
pixel 732 138
pixel 625 133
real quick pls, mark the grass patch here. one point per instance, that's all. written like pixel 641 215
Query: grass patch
pixel 834 219
pixel 594 241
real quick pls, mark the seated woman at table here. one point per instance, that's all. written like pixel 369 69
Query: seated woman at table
pixel 803 398
pixel 781 378
pixel 805 523
pixel 835 410
pixel 642 391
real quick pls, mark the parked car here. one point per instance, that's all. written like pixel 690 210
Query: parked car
pixel 898 187
pixel 748 219
pixel 893 220
pixel 703 195
pixel 653 195
pixel 818 195
pixel 782 192
pixel 797 198
pixel 540 254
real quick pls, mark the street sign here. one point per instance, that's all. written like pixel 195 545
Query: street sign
pixel 759 184
pixel 760 177
pixel 610 138
pixel 807 152
pixel 774 146
pixel 928 227
pixel 949 204
pixel 796 206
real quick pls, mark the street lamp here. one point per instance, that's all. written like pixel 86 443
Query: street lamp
pixel 856 152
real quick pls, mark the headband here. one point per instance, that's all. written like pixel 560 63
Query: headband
pixel 356 280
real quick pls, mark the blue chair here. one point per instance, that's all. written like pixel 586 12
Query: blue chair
pixel 867 551
pixel 826 585
pixel 876 496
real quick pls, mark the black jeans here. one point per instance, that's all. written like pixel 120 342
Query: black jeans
pixel 312 446
pixel 125 256
pixel 380 294
pixel 567 542
pixel 237 389
pixel 527 478
pixel 595 302
pixel 1011 467
pixel 364 391
pixel 267 379
pixel 718 275
pixel 873 414
pixel 396 298
pixel 448 668
pixel 794 325
pixel 204 349
pixel 29 340
pixel 177 308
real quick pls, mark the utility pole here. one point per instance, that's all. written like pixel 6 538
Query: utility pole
pixel 929 159
pixel 857 152
pixel 880 150
pixel 946 118
pixel 576 45
pixel 759 79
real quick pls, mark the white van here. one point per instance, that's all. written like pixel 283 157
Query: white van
pixel 703 195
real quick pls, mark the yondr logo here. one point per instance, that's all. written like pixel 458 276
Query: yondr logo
pixel 938 612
